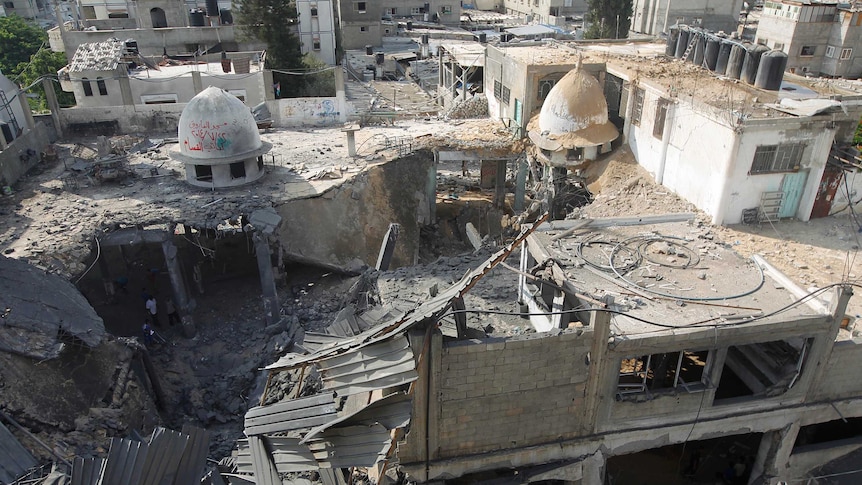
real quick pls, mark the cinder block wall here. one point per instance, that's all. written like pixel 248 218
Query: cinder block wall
pixel 841 376
pixel 507 393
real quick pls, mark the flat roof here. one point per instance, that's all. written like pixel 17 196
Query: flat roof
pixel 209 68
pixel 671 273
pixel 466 54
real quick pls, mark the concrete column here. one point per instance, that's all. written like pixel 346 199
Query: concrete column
pixel 665 142
pixel 267 279
pixel 594 469
pixel 28 115
pixel 180 292
pixel 197 84
pixel 126 91
pixel 107 281
pixel 340 96
pixel 53 105
pixel 268 91
pixel 773 455
pixel 601 326
pixel 520 185
pixel 500 184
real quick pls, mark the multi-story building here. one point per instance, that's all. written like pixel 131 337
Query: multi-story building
pixel 316 29
pixel 360 22
pixel 552 12
pixel 27 9
pixel 652 17
pixel 818 37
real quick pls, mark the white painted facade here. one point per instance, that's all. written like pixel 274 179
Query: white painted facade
pixel 17 120
pixel 653 17
pixel 316 29
pixel 705 155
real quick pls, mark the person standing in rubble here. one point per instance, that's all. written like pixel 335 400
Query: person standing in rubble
pixel 171 309
pixel 148 334
pixel 153 309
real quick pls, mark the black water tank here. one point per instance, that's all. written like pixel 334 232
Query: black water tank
pixel 682 42
pixel 771 70
pixel 482 38
pixel 696 56
pixel 752 62
pixel 212 8
pixel 409 25
pixel 226 16
pixel 672 39
pixel 369 50
pixel 710 55
pixel 737 59
pixel 379 58
pixel 425 38
pixel 723 57
pixel 196 18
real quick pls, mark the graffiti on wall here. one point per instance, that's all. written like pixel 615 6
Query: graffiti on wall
pixel 309 111
pixel 204 136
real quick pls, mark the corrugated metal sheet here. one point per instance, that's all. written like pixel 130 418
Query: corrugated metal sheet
pixel 332 477
pixel 432 308
pixel 289 455
pixel 125 462
pixel 351 446
pixel 392 411
pixel 86 471
pixel 264 468
pixel 166 450
pixel 193 463
pixel 304 412
pixel 385 364
pixel 242 457
pixel 15 460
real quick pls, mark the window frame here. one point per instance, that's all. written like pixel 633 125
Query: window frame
pixel 88 88
pixel 638 105
pixel 812 49
pixel 830 51
pixel 632 391
pixel 103 88
pixel 313 11
pixel 661 108
pixel 779 158
pixel 846 54
pixel 360 7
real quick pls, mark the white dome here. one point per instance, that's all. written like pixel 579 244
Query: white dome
pixel 216 127
pixel 575 103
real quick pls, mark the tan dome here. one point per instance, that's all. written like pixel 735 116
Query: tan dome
pixel 573 114
pixel 216 127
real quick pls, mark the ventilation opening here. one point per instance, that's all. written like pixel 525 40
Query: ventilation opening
pixel 237 170
pixel 203 172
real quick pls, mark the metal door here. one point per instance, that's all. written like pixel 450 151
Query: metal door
pixel 832 178
pixel 792 186
pixel 518 115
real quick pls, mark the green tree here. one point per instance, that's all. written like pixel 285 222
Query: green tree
pixel 44 62
pixel 272 22
pixel 609 19
pixel 19 39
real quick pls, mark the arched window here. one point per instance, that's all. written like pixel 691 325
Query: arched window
pixel 88 90
pixel 103 89
pixel 158 18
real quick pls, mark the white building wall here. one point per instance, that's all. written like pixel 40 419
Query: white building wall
pixel 10 89
pixel 318 28
pixel 183 86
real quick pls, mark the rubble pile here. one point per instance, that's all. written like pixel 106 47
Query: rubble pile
pixel 474 107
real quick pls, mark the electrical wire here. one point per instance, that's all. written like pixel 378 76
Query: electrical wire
pixel 98 254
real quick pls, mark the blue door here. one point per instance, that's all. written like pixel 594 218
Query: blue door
pixel 793 186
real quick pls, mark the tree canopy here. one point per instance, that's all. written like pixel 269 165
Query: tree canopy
pixel 19 39
pixel 271 22
pixel 609 19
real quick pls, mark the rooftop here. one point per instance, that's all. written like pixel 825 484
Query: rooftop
pixel 98 56
pixel 176 70
pixel 671 274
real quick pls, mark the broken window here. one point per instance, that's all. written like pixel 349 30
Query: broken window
pixel 637 109
pixel 666 372
pixel 203 172
pixel 545 86
pixel 762 370
pixel 574 154
pixel 846 54
pixel 88 90
pixel 103 89
pixel 237 170
pixel 777 158
pixel 660 116
pixel 808 50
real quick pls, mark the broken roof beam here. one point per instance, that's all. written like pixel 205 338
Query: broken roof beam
pixel 617 221
pixel 461 155
pixel 133 235
pixel 782 279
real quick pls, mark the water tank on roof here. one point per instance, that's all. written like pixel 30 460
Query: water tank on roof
pixel 369 50
pixel 752 62
pixel 379 58
pixel 672 39
pixel 771 70
pixel 710 54
pixel 696 56
pixel 737 59
pixel 212 8
pixel 196 18
pixel 723 56
pixel 682 42
pixel 425 38
pixel 482 38
pixel 409 25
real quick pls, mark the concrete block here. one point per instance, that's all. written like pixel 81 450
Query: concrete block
pixel 475 393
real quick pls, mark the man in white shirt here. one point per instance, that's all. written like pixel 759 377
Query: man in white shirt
pixel 153 309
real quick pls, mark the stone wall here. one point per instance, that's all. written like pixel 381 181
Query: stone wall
pixel 841 377
pixel 352 219
pixel 510 393
pixel 309 111
pixel 119 120
pixel 23 153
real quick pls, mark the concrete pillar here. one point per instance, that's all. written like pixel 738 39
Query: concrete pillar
pixel 594 469
pixel 126 91
pixel 351 139
pixel 267 278
pixel 431 191
pixel 107 281
pixel 520 185
pixel 500 184
pixel 773 455
pixel 178 284
pixel 28 115
pixel 268 91
pixel 53 105
pixel 197 84
pixel 340 96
